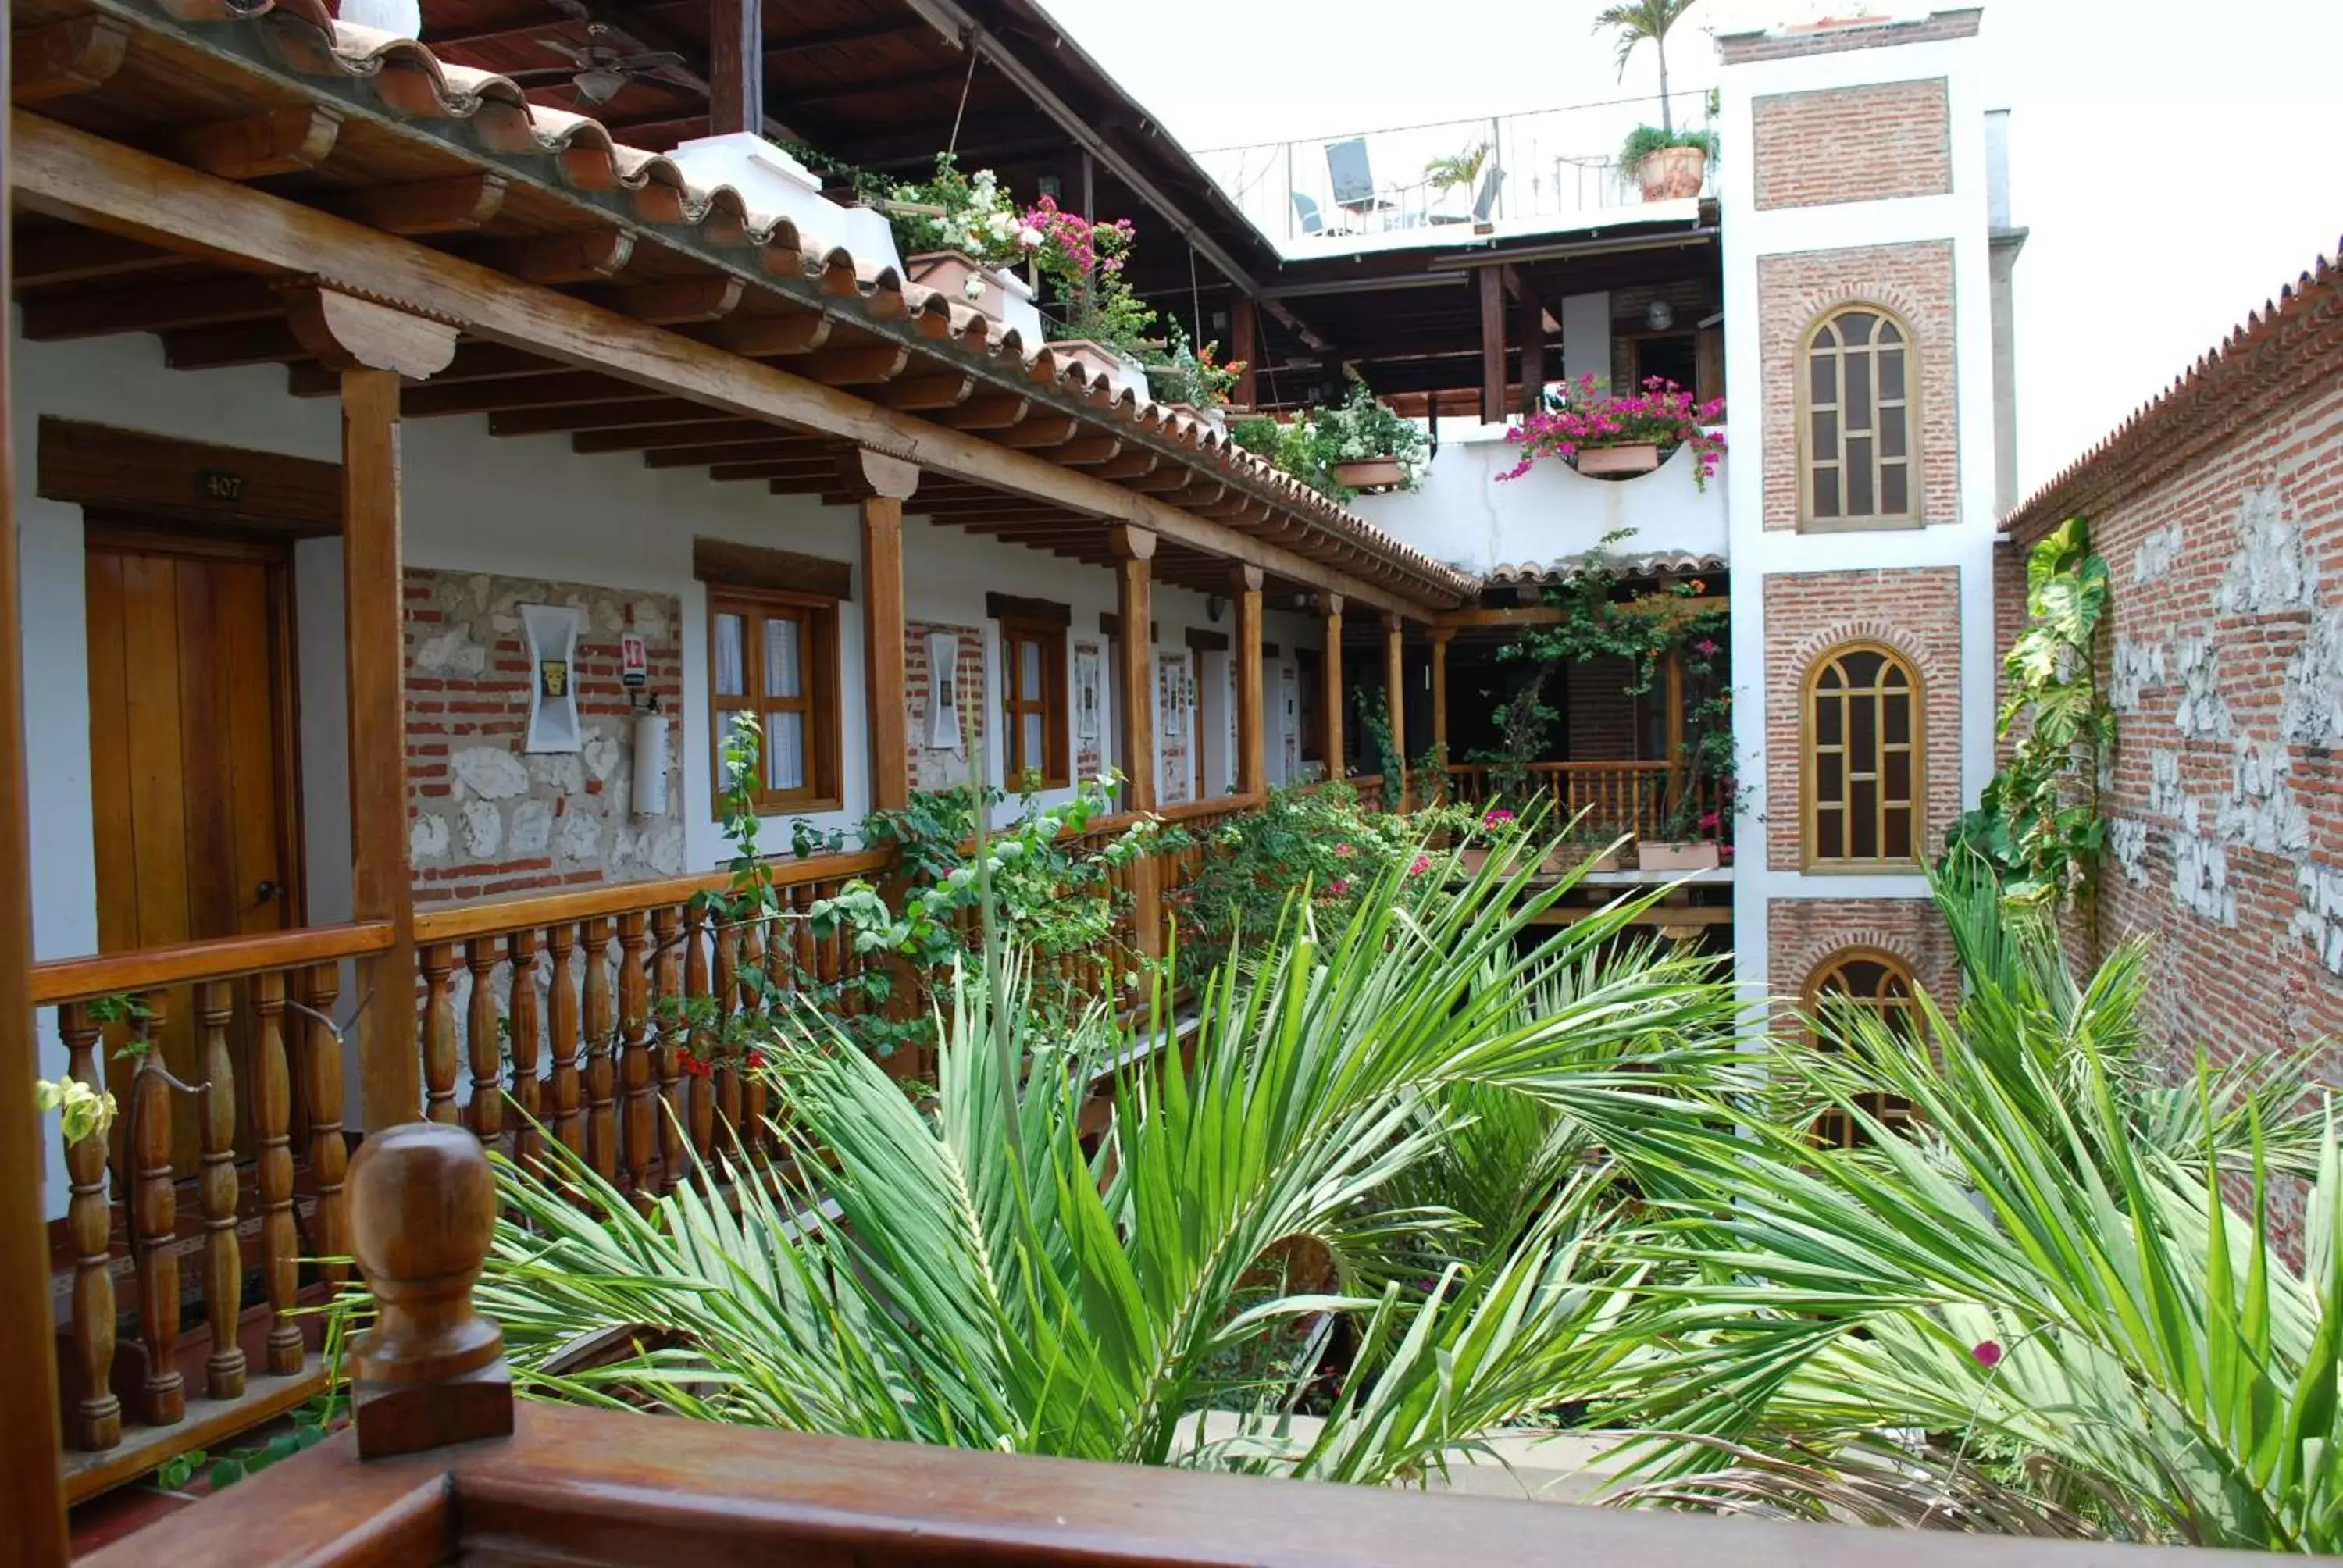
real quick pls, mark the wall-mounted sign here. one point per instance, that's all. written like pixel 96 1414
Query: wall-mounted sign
pixel 633 661
pixel 218 485
pixel 552 632
pixel 944 693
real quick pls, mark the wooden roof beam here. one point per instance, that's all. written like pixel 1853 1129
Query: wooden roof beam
pixel 765 451
pixel 613 419
pixel 679 301
pixel 60 171
pixel 990 411
pixel 60 59
pixel 581 255
pixel 68 253
pixel 558 389
pixel 98 310
pixel 700 431
pixel 281 141
pixel 457 204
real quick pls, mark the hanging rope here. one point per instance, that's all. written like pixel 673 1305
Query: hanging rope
pixel 975 53
pixel 1195 301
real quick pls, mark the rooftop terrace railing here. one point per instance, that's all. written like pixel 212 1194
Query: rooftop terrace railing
pixel 1542 167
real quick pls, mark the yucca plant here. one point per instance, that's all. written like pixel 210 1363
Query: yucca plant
pixel 971 1275
pixel 2039 1292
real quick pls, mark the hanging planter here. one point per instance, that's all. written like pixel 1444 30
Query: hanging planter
pixel 1673 173
pixel 1677 855
pixel 1384 473
pixel 1617 462
pixel 995 292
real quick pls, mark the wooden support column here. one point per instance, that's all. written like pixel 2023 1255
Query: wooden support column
pixel 375 346
pixel 882 484
pixel 1395 694
pixel 1529 330
pixel 1244 346
pixel 1673 690
pixel 1329 673
pixel 736 67
pixel 1442 635
pixel 34 1490
pixel 1492 344
pixel 1253 746
pixel 1134 673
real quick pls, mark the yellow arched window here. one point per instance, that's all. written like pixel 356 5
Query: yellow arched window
pixel 1856 428
pixel 1862 756
pixel 1863 979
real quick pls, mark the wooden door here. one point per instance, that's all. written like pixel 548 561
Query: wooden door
pixel 192 782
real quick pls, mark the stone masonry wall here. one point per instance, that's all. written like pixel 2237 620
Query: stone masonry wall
pixel 1914 280
pixel 2224 660
pixel 1870 143
pixel 485 820
pixel 1914 610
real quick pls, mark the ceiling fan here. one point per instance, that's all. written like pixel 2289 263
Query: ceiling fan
pixel 598 71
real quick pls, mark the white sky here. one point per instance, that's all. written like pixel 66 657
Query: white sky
pixel 2177 161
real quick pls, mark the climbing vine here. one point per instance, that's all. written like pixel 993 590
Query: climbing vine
pixel 2038 822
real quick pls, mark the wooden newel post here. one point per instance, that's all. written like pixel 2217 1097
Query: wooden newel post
pixel 1396 696
pixel 882 484
pixel 1134 656
pixel 430 1372
pixel 1252 754
pixel 1442 635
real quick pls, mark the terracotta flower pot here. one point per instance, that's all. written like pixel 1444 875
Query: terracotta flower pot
pixel 1640 457
pixel 996 291
pixel 1097 359
pixel 1680 855
pixel 1370 473
pixel 1673 173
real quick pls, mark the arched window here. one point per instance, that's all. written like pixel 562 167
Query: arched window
pixel 1862 752
pixel 1856 429
pixel 1852 981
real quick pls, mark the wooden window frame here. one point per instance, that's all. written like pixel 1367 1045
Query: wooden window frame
pixel 1810 858
pixel 818 613
pixel 1834 1128
pixel 1056 767
pixel 1915 513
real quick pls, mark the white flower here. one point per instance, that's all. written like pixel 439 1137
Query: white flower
pixel 973 287
pixel 1028 239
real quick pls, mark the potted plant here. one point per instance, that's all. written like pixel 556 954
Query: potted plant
pixel 960 234
pixel 1496 837
pixel 1661 157
pixel 1366 447
pixel 1687 841
pixel 1191 381
pixel 1669 165
pixel 1097 320
pixel 1616 438
pixel 1600 843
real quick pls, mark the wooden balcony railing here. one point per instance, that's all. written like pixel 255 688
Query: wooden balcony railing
pixel 1627 796
pixel 537 1013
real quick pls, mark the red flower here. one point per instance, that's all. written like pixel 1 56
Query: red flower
pixel 1338 886
pixel 1423 864
pixel 1987 1354
pixel 757 1062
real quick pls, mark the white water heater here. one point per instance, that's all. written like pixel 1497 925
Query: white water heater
pixel 651 764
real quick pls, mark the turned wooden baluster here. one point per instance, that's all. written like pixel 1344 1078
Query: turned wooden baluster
pixel 486 1114
pixel 155 1224
pixel 756 1002
pixel 438 965
pixel 520 1016
pixel 703 1040
pixel 321 1077
pixel 429 1371
pixel 272 1117
pixel 601 1111
pixel 223 1262
pixel 640 1120
pixel 569 1127
pixel 667 985
pixel 728 1004
pixel 95 1419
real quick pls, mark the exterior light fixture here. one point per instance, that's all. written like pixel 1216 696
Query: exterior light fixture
pixel 1660 315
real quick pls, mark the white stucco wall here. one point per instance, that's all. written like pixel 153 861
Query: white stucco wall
pixel 475 503
pixel 1464 514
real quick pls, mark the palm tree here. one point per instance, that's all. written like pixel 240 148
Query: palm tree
pixel 1636 20
pixel 972 1274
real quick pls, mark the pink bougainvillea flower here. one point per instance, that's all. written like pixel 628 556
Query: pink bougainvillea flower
pixel 1422 863
pixel 1346 850
pixel 1338 886
pixel 1706 647
pixel 1708 822
pixel 1496 817
pixel 1987 1354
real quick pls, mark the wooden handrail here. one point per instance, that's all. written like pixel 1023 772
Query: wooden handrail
pixel 457 921
pixel 226 958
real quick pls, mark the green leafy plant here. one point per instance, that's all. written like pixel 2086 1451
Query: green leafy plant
pixel 1085 265
pixel 84 1111
pixel 1639 21
pixel 1457 170
pixel 2042 1276
pixel 950 210
pixel 2038 820
pixel 1645 141
pixel 1356 430
pixel 1182 373
pixel 1005 1275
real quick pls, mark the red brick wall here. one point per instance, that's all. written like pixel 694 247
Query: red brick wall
pixel 1801 933
pixel 1915 281
pixel 936 768
pixel 1853 144
pixel 485 820
pixel 2223 654
pixel 1836 37
pixel 1917 612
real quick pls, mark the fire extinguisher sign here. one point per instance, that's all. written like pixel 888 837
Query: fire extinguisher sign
pixel 633 661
